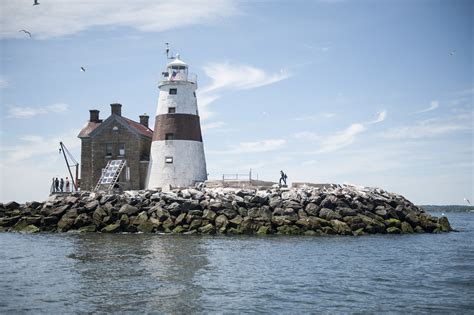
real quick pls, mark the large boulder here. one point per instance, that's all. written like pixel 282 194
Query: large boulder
pixel 329 214
pixel 128 209
pixel 444 224
pixel 341 227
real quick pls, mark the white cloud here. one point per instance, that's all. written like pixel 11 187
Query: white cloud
pixel 55 18
pixel 381 116
pixel 239 77
pixel 307 135
pixel 341 139
pixel 431 128
pixel 28 112
pixel 254 146
pixel 227 76
pixel 433 105
pixel 35 146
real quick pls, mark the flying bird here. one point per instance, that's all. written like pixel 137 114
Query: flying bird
pixel 467 200
pixel 452 52
pixel 36 2
pixel 26 32
pixel 83 69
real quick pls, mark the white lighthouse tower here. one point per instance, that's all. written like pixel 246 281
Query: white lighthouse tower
pixel 177 152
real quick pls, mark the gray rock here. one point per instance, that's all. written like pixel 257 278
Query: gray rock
pixel 329 214
pixel 312 209
pixel 12 205
pixel 209 215
pixel 128 209
pixel 91 206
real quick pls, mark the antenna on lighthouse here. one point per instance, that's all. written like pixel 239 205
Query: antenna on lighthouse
pixel 167 51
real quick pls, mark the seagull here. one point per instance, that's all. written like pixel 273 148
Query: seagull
pixel 26 32
pixel 36 2
pixel 467 200
pixel 83 69
pixel 452 52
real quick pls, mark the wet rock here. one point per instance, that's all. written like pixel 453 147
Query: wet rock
pixel 65 224
pixel 406 228
pixel 444 224
pixel 111 228
pixel 146 227
pixel 82 220
pixel 209 215
pixel 29 229
pixel 263 230
pixel 393 222
pixel 222 221
pixel 329 214
pixel 88 229
pixel 341 228
pixel 393 230
pixel 207 229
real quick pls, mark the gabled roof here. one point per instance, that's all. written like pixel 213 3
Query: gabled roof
pixel 139 127
pixel 92 128
pixel 88 128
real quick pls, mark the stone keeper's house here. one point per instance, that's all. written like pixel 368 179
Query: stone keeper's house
pixel 116 137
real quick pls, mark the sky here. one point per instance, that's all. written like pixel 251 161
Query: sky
pixel 369 93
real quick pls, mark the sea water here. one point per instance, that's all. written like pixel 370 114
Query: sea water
pixel 138 273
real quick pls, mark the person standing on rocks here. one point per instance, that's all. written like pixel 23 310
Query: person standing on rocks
pixel 67 184
pixel 61 184
pixel 283 178
pixel 56 184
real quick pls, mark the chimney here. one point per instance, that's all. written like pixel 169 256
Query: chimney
pixel 144 120
pixel 94 115
pixel 116 109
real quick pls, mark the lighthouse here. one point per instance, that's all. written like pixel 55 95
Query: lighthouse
pixel 177 152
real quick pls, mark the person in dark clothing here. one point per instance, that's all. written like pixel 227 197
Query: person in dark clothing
pixel 56 184
pixel 283 178
pixel 61 185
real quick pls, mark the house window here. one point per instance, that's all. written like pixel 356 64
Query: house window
pixel 121 149
pixel 169 160
pixel 173 91
pixel 169 136
pixel 171 110
pixel 108 149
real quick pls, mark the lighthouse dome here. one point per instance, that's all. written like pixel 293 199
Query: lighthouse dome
pixel 177 63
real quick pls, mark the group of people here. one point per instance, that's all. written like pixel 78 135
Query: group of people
pixel 58 185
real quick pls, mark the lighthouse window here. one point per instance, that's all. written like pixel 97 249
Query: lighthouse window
pixel 173 91
pixel 169 159
pixel 194 93
pixel 171 110
pixel 169 136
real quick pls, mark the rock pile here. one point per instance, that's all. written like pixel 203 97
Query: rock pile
pixel 336 210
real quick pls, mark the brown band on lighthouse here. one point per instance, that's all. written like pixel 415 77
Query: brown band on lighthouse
pixel 181 126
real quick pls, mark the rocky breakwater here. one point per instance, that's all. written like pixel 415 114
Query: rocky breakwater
pixel 338 210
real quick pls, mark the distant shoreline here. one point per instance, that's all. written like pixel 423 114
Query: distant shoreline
pixel 447 208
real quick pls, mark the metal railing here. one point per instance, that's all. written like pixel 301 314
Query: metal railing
pixel 169 77
pixel 237 177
